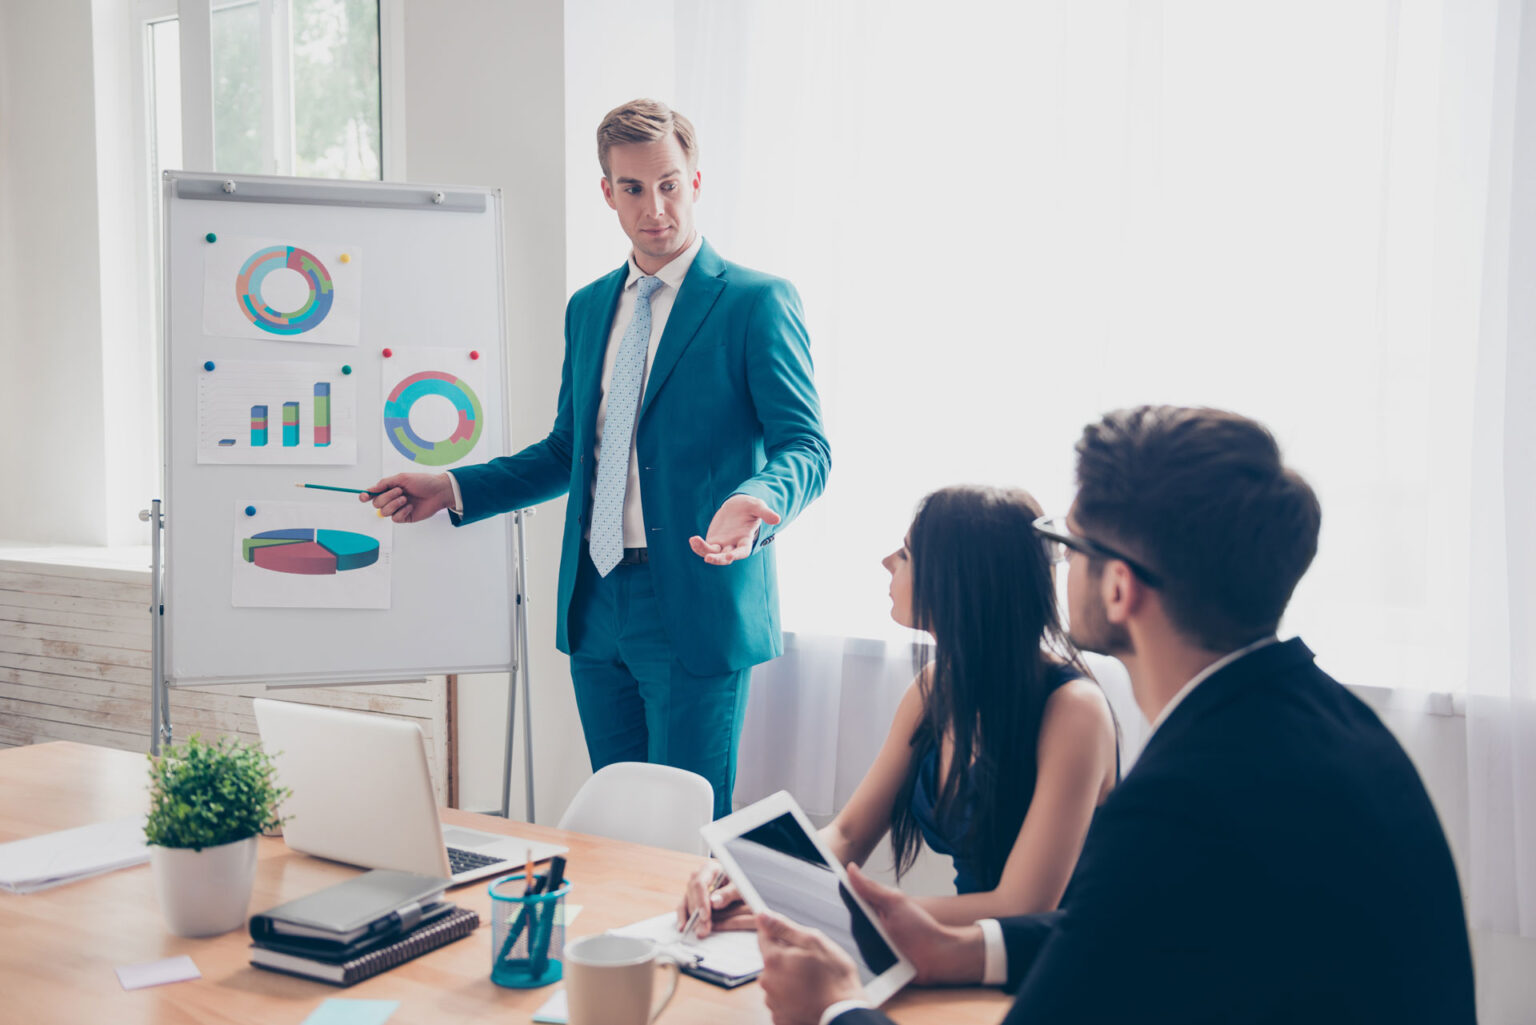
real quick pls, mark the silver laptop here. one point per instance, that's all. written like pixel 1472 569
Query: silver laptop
pixel 362 794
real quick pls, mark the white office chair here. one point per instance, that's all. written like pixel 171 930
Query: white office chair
pixel 643 803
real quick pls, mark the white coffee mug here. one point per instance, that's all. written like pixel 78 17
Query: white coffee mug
pixel 609 980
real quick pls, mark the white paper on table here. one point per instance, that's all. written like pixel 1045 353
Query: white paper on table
pixel 554 1011
pixel 278 584
pixel 158 973
pixel 53 859
pixel 432 406
pixel 282 290
pixel 731 952
pixel 241 408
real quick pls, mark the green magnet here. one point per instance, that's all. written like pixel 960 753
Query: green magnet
pixel 211 237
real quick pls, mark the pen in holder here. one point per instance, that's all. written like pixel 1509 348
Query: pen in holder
pixel 527 933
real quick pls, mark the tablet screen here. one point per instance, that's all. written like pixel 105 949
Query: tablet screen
pixel 793 879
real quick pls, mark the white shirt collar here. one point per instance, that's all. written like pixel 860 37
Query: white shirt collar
pixel 673 273
pixel 1204 674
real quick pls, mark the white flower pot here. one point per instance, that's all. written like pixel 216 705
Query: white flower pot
pixel 206 892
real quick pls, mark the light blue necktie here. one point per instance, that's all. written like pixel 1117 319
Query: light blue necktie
pixel 606 541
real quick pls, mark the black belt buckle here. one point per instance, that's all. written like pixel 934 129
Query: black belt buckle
pixel 635 556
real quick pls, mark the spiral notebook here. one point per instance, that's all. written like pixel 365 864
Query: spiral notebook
pixel 728 959
pixel 425 938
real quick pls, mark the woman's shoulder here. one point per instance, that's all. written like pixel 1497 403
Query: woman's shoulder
pixel 909 712
pixel 1077 705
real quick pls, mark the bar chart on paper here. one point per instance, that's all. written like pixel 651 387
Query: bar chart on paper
pixel 277 413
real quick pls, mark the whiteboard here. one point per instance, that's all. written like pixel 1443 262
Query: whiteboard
pixel 301 289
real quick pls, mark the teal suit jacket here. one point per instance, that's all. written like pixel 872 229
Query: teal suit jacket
pixel 729 408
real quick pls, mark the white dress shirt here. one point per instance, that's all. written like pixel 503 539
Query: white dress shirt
pixel 1201 677
pixel 994 969
pixel 671 276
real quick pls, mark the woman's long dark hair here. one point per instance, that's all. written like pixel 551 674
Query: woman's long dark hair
pixel 982 586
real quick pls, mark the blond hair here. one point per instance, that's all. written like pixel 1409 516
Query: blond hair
pixel 644 121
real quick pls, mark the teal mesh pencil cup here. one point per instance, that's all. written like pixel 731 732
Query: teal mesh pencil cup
pixel 527 934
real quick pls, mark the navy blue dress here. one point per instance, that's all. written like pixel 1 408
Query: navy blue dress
pixel 946 837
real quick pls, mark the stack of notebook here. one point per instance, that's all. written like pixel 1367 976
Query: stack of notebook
pixel 368 924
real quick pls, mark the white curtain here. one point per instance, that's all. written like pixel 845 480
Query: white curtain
pixel 1007 218
pixel 817 716
pixel 1501 697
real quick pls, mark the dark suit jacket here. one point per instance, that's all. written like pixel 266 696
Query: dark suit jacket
pixel 1271 857
pixel 729 407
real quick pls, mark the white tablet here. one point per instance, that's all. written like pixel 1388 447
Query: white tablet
pixel 779 863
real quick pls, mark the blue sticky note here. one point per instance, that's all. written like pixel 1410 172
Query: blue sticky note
pixel 337 1011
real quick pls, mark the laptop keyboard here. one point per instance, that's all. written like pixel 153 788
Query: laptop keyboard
pixel 460 860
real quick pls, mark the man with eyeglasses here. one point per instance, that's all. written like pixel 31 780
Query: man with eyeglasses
pixel 1272 856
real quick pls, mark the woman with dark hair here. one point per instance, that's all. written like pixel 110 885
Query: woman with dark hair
pixel 1003 745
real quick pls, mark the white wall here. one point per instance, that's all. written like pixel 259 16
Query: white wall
pixel 616 51
pixel 51 373
pixel 130 382
pixel 483 87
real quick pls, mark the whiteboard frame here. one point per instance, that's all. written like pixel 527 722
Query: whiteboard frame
pixel 245 188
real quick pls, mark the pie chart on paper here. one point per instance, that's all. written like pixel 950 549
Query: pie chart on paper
pixel 310 551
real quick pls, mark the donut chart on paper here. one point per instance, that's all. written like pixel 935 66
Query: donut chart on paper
pixel 397 418
pixel 322 291
pixel 310 552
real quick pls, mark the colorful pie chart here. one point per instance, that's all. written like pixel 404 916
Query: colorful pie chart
pixel 309 551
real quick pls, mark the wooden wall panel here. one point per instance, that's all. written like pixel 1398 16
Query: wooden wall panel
pixel 75 665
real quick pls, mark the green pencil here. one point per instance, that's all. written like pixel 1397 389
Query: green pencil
pixel 350 491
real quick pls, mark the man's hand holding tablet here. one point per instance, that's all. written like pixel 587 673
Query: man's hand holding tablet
pixel 804 973
pixel 781 868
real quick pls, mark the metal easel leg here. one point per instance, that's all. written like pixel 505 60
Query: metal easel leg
pixel 522 648
pixel 519 669
pixel 159 693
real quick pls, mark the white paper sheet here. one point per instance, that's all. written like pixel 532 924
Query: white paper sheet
pixel 554 1011
pixel 158 973
pixel 332 553
pixel 280 412
pixel 733 952
pixel 432 407
pixel 53 859
pixel 282 290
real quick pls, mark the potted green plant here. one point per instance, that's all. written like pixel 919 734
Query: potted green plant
pixel 207 805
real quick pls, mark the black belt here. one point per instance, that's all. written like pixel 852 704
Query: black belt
pixel 635 556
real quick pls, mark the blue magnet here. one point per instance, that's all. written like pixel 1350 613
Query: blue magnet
pixel 346 369
pixel 208 365
pixel 211 237
pixel 250 510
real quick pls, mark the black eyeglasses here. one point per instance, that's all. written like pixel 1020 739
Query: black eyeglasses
pixel 1058 539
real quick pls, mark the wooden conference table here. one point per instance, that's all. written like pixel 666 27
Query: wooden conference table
pixel 58 947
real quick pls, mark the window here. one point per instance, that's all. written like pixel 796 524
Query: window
pixel 294 87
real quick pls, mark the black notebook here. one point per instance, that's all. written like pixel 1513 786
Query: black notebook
pixel 425 938
pixel 317 949
pixel 377 903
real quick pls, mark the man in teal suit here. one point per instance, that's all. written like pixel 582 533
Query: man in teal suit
pixel 688 432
